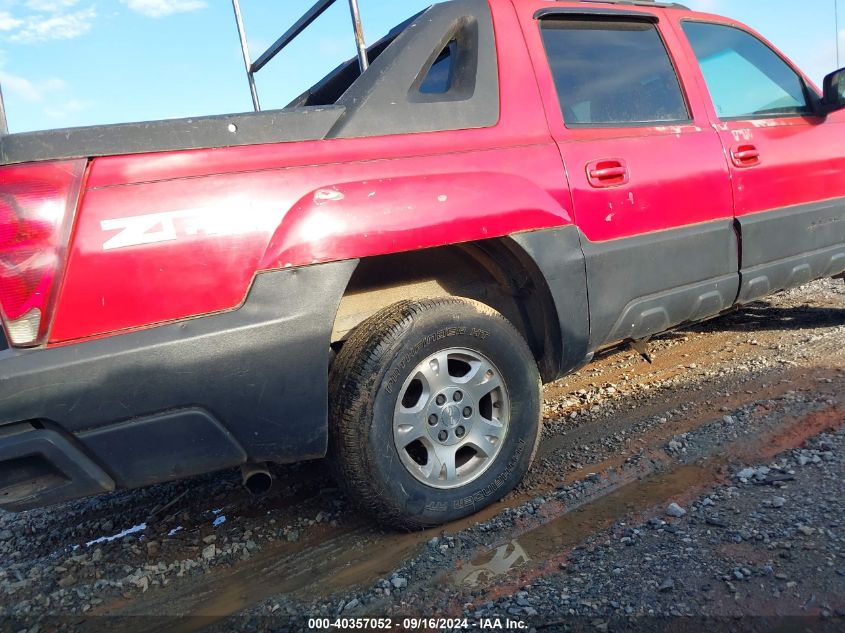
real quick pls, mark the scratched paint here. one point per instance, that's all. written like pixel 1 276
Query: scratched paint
pixel 742 135
pixel 323 196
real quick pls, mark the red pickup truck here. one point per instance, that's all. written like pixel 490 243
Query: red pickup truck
pixel 386 270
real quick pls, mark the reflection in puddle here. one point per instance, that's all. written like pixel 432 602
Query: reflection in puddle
pixel 501 561
pixel 558 535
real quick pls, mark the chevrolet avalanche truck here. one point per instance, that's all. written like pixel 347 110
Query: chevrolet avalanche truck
pixel 387 270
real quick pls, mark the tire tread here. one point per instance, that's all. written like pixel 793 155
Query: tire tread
pixel 350 384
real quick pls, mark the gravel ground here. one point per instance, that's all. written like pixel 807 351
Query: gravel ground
pixel 586 536
pixel 768 543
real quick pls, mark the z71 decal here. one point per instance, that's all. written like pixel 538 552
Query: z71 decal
pixel 235 218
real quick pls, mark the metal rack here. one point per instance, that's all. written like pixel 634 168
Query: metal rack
pixel 4 126
pixel 290 35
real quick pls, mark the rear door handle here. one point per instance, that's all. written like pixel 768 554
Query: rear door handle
pixel 610 172
pixel 745 156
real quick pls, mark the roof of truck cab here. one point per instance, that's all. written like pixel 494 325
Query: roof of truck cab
pixel 680 11
pixel 639 4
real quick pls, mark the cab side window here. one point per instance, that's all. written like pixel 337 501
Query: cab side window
pixel 612 72
pixel 746 78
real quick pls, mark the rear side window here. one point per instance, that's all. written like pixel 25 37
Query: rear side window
pixel 612 72
pixel 440 78
pixel 746 78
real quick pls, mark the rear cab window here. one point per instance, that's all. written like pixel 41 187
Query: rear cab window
pixel 746 79
pixel 612 72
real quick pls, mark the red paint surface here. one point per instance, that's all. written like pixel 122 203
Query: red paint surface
pixel 668 167
pixel 227 214
pixel 801 159
pixel 272 206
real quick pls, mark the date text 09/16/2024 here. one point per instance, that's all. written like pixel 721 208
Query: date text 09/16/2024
pixel 412 624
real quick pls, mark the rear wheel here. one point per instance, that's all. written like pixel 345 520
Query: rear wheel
pixel 435 410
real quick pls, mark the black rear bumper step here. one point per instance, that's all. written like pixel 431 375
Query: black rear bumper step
pixel 40 467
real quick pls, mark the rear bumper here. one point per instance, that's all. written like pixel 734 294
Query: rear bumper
pixel 173 401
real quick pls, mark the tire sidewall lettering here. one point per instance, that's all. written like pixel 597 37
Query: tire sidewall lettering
pixel 399 370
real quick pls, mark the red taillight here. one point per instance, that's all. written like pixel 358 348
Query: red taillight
pixel 37 204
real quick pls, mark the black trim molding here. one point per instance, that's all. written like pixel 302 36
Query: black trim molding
pixel 643 285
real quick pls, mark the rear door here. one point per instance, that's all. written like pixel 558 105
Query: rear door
pixel 787 164
pixel 650 186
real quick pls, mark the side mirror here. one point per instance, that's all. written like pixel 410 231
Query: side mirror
pixel 834 92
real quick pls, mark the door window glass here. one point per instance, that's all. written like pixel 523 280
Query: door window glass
pixel 612 72
pixel 745 77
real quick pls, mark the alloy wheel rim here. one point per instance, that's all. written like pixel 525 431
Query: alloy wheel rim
pixel 451 418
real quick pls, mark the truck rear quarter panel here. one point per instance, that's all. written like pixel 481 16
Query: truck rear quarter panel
pixel 162 237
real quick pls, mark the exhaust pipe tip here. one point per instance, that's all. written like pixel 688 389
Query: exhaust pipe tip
pixel 257 479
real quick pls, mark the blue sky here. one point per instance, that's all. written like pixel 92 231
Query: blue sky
pixel 83 62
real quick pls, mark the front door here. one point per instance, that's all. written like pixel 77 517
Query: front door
pixel 787 164
pixel 650 186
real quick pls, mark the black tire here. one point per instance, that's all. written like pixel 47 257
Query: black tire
pixel 363 392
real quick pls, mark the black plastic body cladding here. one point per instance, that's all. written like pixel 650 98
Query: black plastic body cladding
pixel 194 396
pixel 647 284
pixel 557 254
pixel 233 130
pixel 790 247
pixel 386 99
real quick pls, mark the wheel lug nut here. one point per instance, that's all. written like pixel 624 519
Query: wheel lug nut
pixel 443 436
pixel 460 431
pixel 432 420
pixel 441 400
pixel 458 396
pixel 467 412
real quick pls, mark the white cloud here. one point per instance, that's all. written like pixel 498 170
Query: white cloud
pixel 162 8
pixel 44 20
pixel 8 22
pixel 63 109
pixel 30 91
pixel 56 26
pixel 51 6
pixel 50 95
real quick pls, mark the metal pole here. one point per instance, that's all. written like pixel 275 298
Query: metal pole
pixel 363 60
pixel 836 22
pixel 292 33
pixel 247 59
pixel 4 125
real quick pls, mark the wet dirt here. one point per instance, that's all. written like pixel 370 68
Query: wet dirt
pixel 753 359
pixel 537 550
pixel 546 547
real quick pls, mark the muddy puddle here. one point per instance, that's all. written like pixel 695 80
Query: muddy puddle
pixel 347 559
pixel 553 540
pixel 359 555
pixel 542 549
pixel 340 559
